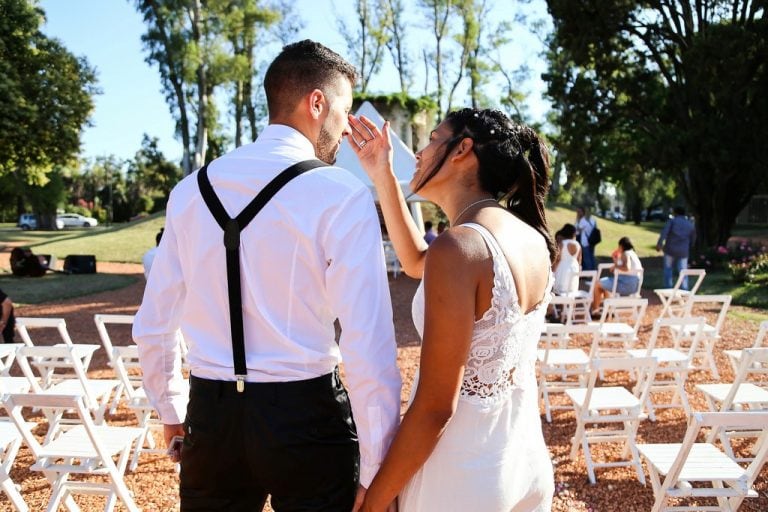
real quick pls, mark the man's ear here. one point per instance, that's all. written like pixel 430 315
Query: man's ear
pixel 317 103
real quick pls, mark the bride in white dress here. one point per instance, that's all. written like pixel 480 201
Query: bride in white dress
pixel 471 439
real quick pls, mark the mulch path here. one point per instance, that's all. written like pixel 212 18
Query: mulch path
pixel 155 482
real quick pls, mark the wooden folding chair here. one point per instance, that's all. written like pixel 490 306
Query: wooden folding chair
pixel 96 392
pixel 711 335
pixel 561 365
pixel 637 272
pixel 682 464
pixel 86 449
pixel 673 300
pixel 673 363
pixel 611 414
pixel 619 324
pixel 10 442
pixel 739 395
pixel 7 356
pixel 101 321
pixel 582 312
pixel 734 356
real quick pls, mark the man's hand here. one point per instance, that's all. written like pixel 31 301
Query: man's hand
pixel 169 431
pixel 359 498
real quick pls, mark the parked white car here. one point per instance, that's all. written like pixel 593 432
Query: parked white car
pixel 29 221
pixel 72 220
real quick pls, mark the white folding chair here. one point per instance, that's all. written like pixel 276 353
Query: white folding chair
pixel 673 300
pixel 390 257
pixel 682 464
pixel 673 363
pixel 101 321
pixel 10 442
pixel 86 449
pixel 695 306
pixel 734 356
pixel 47 368
pixel 610 414
pixel 563 307
pixel 619 324
pixel 561 364
pixel 7 356
pixel 95 391
pixel 582 311
pixel 738 396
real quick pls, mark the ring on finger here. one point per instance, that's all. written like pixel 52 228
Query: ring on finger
pixel 362 143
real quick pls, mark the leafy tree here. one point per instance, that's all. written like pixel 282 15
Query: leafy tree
pixel 367 41
pixel 46 99
pixel 438 14
pixel 395 28
pixel 681 82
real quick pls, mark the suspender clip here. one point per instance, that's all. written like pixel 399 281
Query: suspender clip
pixel 240 383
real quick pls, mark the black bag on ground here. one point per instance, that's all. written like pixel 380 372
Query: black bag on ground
pixel 25 264
pixel 80 264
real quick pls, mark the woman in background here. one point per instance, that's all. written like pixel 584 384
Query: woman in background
pixel 624 258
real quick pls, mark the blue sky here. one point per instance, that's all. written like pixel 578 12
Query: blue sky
pixel 108 32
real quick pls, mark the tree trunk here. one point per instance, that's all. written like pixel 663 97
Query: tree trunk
pixel 201 134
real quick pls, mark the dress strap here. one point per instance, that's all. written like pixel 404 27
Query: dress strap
pixel 490 240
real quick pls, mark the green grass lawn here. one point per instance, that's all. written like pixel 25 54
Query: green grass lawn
pixel 120 242
pixel 128 242
pixel 35 290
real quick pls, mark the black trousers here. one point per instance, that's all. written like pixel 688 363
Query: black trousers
pixel 295 441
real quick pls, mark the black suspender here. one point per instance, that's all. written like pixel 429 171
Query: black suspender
pixel 232 228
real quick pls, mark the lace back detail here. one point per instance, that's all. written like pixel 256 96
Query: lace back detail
pixel 502 353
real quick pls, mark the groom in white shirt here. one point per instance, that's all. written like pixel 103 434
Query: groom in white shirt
pixel 313 254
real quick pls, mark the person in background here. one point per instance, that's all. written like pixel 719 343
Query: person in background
pixel 584 226
pixel 7 320
pixel 676 240
pixel 624 258
pixel 567 262
pixel 441 226
pixel 149 256
pixel 429 232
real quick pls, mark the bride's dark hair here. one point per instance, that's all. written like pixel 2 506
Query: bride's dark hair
pixel 514 163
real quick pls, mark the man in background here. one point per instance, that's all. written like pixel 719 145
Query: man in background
pixel 676 240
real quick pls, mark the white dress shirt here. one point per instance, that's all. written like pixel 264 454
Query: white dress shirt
pixel 313 254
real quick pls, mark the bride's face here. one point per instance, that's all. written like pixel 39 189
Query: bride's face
pixel 426 175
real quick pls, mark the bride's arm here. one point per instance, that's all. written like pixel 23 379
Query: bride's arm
pixel 376 159
pixel 449 320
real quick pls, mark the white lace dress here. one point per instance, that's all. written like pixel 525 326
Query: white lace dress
pixel 492 456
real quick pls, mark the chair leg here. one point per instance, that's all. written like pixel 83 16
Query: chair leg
pixel 680 383
pixel 7 485
pixel 588 459
pixel 577 437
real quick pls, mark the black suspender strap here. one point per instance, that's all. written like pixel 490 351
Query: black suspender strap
pixel 232 228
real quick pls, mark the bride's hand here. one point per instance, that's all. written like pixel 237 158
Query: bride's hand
pixel 372 146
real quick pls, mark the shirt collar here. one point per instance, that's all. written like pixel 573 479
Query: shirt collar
pixel 287 136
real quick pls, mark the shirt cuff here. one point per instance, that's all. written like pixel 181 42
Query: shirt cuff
pixel 367 472
pixel 173 412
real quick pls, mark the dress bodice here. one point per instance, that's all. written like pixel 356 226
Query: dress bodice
pixel 502 352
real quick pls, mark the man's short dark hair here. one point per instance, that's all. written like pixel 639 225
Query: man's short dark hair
pixel 299 69
pixel 679 210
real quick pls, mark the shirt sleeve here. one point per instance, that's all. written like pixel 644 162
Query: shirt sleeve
pixel 664 232
pixel 359 294
pixel 155 331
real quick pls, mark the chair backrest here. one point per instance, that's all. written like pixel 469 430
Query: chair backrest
pixel 728 421
pixel 558 336
pixel 630 310
pixel 566 305
pixel 644 366
pixel 101 321
pixel 587 281
pixel 23 323
pixel 697 323
pixel 722 302
pixel 698 273
pixel 636 272
pixel 63 357
pixel 125 357
pixel 761 335
pixel 753 361
pixel 603 267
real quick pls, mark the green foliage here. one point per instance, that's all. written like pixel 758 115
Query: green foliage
pixel 412 105
pixel 46 99
pixel 678 91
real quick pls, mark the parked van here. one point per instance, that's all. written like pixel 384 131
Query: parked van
pixel 29 221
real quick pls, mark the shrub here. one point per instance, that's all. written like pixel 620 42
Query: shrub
pixel 750 270
pixel 723 258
